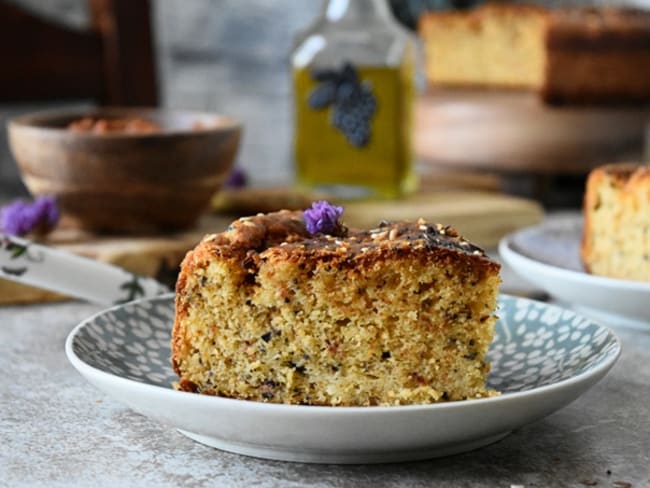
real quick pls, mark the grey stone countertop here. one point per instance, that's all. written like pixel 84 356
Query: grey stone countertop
pixel 58 430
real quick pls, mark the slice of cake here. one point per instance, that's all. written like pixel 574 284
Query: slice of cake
pixel 492 45
pixel 568 55
pixel 292 307
pixel 616 234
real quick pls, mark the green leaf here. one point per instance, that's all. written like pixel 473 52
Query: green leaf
pixel 16 250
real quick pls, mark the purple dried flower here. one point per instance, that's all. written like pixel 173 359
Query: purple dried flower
pixel 236 179
pixel 323 217
pixel 20 217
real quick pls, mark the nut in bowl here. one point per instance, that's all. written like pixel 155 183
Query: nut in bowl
pixel 126 169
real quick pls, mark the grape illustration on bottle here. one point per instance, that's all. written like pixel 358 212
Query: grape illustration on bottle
pixel 352 102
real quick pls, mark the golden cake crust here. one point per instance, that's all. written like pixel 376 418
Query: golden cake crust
pixel 478 15
pixel 284 236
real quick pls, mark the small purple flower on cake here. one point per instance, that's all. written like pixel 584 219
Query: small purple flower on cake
pixel 323 217
pixel 20 217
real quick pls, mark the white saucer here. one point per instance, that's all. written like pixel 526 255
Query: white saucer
pixel 548 256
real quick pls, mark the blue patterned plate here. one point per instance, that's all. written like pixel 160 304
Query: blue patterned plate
pixel 543 357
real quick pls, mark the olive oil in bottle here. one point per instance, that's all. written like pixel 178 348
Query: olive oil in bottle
pixel 353 97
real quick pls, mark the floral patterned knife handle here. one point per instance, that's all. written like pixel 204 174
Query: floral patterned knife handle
pixel 75 276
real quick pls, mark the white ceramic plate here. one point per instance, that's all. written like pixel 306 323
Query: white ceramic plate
pixel 543 357
pixel 548 255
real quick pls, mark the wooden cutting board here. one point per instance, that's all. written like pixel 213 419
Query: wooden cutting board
pixel 482 217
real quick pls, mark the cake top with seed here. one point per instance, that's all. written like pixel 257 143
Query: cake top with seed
pixel 285 234
pixel 624 173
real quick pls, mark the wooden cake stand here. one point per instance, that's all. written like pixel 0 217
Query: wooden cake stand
pixel 514 132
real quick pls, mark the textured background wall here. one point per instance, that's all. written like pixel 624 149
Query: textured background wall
pixel 229 56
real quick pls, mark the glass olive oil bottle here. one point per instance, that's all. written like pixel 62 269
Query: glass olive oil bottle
pixel 353 77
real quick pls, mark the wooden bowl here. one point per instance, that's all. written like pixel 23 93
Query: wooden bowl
pixel 125 182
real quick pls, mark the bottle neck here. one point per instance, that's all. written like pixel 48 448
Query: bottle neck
pixel 357 10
